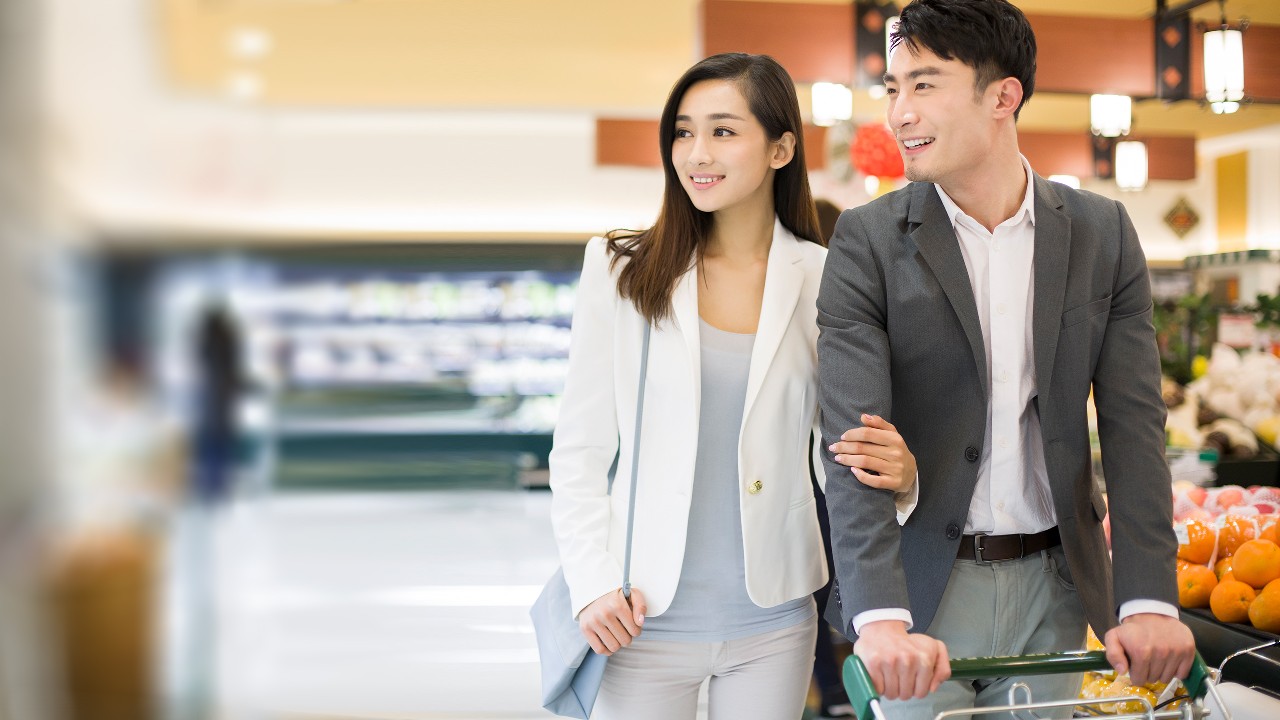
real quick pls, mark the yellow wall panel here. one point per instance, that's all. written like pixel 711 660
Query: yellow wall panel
pixel 456 53
pixel 1233 202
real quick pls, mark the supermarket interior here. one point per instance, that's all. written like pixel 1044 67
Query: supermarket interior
pixel 286 301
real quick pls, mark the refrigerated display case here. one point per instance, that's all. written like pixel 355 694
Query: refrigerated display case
pixel 382 366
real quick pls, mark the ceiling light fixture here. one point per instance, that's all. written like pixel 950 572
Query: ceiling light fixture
pixel 1224 65
pixel 1131 165
pixel 1110 115
pixel 831 103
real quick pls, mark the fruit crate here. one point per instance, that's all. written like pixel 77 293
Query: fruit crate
pixel 1261 469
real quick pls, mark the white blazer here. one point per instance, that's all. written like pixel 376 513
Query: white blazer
pixel 782 542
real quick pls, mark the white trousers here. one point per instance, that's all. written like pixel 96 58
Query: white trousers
pixel 761 677
pixel 1016 607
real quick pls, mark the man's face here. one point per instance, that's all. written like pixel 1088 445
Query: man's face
pixel 943 126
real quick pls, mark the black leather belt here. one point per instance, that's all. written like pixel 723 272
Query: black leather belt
pixel 994 548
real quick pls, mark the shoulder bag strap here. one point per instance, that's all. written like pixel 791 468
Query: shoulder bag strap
pixel 635 459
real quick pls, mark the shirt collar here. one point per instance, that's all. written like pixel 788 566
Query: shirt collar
pixel 1028 205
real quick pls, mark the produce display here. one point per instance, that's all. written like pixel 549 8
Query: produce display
pixel 1236 397
pixel 1228 557
pixel 1192 502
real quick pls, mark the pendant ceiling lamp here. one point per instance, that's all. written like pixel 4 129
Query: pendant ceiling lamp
pixel 1224 65
pixel 1110 115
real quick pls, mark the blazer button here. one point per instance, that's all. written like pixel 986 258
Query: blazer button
pixel 755 487
pixel 953 531
pixel 971 454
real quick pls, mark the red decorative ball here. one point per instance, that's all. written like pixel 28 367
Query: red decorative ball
pixel 875 152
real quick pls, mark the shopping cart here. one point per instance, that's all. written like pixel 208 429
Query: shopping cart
pixel 1199 683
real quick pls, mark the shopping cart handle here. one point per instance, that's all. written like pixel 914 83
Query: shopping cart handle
pixel 1047 664
pixel 861 691
pixel 865 699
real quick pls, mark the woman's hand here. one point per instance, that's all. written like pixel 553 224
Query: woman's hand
pixel 609 622
pixel 877 446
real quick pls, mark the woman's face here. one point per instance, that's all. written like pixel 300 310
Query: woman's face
pixel 722 154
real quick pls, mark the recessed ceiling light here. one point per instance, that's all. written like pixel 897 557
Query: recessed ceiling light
pixel 249 43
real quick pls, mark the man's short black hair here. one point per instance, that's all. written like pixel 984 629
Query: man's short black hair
pixel 991 36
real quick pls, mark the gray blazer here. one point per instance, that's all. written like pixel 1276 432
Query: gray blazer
pixel 900 337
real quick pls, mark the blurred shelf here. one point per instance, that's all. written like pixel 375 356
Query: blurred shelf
pixel 406 471
pixel 430 425
pixel 1228 259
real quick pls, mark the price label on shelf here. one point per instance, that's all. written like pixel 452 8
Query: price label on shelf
pixel 1236 330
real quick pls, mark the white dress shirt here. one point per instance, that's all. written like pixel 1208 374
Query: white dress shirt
pixel 1012 494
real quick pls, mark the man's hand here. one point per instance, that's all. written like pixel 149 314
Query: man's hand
pixel 902 665
pixel 1151 648
pixel 877 446
pixel 609 622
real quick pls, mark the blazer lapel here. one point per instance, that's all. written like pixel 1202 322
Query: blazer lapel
pixel 684 304
pixel 936 240
pixel 1052 256
pixel 783 280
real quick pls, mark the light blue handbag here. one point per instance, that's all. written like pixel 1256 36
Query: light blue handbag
pixel 571 671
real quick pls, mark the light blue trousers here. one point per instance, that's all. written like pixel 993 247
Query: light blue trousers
pixel 1016 607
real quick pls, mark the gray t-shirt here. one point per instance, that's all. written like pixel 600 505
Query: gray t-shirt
pixel 711 602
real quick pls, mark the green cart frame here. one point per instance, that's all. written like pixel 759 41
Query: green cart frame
pixel 1198 683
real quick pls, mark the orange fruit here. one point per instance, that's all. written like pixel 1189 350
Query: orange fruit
pixel 1264 611
pixel 1256 562
pixel 1222 567
pixel 1230 601
pixel 1201 537
pixel 1270 528
pixel 1195 583
pixel 1234 532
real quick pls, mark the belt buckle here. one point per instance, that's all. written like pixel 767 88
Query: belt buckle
pixel 978 548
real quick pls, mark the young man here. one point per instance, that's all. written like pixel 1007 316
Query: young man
pixel 975 309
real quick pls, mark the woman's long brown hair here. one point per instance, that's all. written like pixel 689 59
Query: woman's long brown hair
pixel 664 252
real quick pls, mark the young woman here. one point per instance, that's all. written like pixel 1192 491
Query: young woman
pixel 726 545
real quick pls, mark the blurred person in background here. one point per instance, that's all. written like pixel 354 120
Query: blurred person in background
pixel 727 547
pixel 219 383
